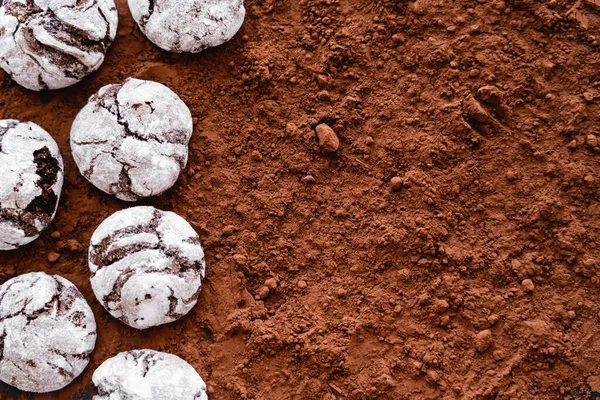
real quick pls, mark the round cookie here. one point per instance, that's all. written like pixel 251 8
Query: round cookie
pixel 148 375
pixel 32 174
pixel 131 140
pixel 146 266
pixel 47 332
pixel 188 26
pixel 54 44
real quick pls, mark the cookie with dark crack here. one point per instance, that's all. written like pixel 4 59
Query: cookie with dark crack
pixel 54 44
pixel 131 140
pixel 47 332
pixel 148 375
pixel 146 266
pixel 188 26
pixel 32 174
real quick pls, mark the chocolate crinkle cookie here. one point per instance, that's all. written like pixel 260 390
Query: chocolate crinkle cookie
pixel 54 44
pixel 188 26
pixel 31 179
pixel 146 266
pixel 148 375
pixel 131 140
pixel 47 332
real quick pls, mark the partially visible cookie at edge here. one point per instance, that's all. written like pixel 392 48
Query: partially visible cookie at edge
pixel 131 139
pixel 47 332
pixel 146 266
pixel 188 26
pixel 32 174
pixel 55 44
pixel 148 375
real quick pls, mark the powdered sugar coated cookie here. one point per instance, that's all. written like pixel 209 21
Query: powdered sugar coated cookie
pixel 188 26
pixel 54 44
pixel 47 332
pixel 31 171
pixel 148 375
pixel 146 266
pixel 131 140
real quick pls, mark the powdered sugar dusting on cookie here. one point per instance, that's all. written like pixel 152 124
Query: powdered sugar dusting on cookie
pixel 148 375
pixel 188 26
pixel 32 174
pixel 131 140
pixel 47 332
pixel 146 266
pixel 55 44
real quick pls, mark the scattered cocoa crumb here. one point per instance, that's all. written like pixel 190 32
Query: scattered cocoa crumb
pixel 397 183
pixel 53 257
pixel 527 285
pixel 328 140
pixel 483 340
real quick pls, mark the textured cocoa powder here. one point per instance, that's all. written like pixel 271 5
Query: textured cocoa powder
pixel 487 112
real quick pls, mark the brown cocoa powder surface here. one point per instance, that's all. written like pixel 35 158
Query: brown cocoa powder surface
pixel 473 276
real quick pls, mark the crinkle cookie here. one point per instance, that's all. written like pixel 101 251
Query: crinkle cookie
pixel 47 332
pixel 31 180
pixel 131 140
pixel 188 26
pixel 148 375
pixel 52 44
pixel 146 266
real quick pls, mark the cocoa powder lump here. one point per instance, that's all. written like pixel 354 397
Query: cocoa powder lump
pixel 148 375
pixel 146 266
pixel 32 174
pixel 188 26
pixel 55 44
pixel 47 332
pixel 131 139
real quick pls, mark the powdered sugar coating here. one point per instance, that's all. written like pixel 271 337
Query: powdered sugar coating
pixel 47 332
pixel 146 266
pixel 52 44
pixel 148 375
pixel 131 140
pixel 188 26
pixel 32 174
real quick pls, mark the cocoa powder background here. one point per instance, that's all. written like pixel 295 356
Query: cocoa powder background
pixel 487 111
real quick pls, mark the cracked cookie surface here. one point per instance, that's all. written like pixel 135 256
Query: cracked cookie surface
pixel 54 44
pixel 47 332
pixel 131 140
pixel 188 26
pixel 148 375
pixel 146 266
pixel 32 174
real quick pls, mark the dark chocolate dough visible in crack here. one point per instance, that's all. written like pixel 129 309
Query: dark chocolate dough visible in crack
pixel 131 140
pixel 148 375
pixel 146 266
pixel 188 26
pixel 55 44
pixel 47 332
pixel 32 174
